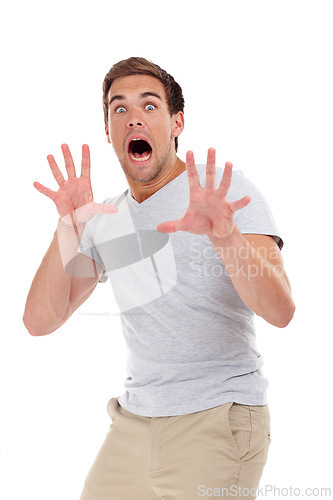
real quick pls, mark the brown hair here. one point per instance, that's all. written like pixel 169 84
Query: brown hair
pixel 140 66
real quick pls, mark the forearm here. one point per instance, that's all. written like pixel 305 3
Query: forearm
pixel 48 301
pixel 262 285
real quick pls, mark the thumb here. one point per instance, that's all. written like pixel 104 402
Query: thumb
pixel 105 208
pixel 87 211
pixel 239 204
pixel 170 226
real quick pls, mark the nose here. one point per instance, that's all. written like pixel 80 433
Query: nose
pixel 135 120
pixel 135 124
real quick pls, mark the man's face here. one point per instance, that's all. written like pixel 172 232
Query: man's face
pixel 140 127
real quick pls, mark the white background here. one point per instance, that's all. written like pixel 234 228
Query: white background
pixel 257 79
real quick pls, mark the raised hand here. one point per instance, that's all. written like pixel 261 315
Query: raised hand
pixel 209 212
pixel 74 198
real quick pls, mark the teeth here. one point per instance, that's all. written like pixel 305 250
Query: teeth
pixel 144 158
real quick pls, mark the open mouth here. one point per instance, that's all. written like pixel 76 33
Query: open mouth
pixel 139 150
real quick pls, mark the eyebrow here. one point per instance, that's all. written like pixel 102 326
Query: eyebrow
pixel 120 97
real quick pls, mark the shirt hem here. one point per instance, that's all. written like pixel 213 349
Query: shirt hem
pixel 169 411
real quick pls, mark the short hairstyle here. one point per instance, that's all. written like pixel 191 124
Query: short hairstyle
pixel 141 66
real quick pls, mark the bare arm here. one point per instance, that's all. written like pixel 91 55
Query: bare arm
pixel 54 294
pixel 58 290
pixel 254 262
pixel 255 266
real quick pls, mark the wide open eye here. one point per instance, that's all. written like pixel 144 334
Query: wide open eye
pixel 120 110
pixel 150 107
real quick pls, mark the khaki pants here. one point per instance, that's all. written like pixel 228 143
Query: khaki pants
pixel 219 452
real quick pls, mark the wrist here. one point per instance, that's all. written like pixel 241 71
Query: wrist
pixel 68 226
pixel 70 221
pixel 234 239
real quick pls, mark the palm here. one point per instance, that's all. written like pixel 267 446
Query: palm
pixel 204 208
pixel 209 212
pixel 74 195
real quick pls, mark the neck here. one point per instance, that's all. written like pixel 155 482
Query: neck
pixel 140 191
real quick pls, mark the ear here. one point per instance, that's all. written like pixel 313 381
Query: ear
pixel 178 123
pixel 107 131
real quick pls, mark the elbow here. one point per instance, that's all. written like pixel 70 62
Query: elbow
pixel 283 322
pixel 37 329
pixel 28 323
pixel 38 323
pixel 285 316
pixel 280 315
pixel 33 330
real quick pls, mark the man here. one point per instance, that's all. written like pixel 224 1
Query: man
pixel 192 253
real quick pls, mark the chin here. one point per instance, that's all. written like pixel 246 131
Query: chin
pixel 146 170
pixel 145 173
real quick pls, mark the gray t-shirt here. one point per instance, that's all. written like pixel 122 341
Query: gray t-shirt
pixel 191 339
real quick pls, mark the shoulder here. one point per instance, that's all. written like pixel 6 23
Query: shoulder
pixel 116 200
pixel 240 184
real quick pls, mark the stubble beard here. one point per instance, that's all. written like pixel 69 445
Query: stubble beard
pixel 152 174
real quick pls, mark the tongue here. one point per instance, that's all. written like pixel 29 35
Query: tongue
pixel 140 155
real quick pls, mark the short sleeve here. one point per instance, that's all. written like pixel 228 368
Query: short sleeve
pixel 88 248
pixel 256 217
